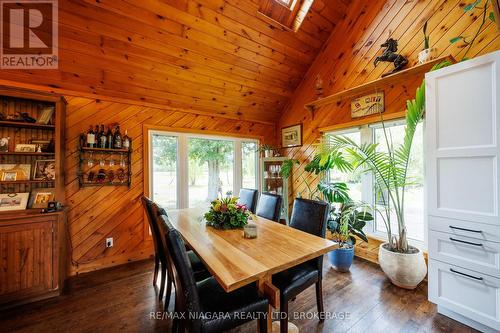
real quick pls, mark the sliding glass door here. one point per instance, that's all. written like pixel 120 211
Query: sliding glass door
pixel 211 168
pixel 190 170
pixel 164 170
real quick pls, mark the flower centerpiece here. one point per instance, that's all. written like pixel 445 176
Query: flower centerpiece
pixel 226 214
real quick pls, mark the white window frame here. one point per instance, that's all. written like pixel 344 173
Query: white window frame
pixel 182 168
pixel 367 133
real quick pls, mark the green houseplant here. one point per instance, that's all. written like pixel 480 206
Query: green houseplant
pixel 346 222
pixel 403 264
pixel 428 53
pixel 267 150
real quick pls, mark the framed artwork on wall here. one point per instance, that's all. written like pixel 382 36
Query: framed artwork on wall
pixel 291 136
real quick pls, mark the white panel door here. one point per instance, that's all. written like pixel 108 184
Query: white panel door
pixel 462 147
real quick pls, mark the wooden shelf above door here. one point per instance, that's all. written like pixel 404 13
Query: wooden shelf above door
pixel 375 85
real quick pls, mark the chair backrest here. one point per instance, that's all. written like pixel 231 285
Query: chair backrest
pixel 185 283
pixel 248 197
pixel 148 207
pixel 269 206
pixel 310 216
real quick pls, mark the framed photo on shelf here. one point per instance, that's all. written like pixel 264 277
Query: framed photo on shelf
pixel 25 148
pixel 44 170
pixel 291 136
pixel 4 144
pixel 9 176
pixel 45 115
pixel 21 171
pixel 13 201
pixel 40 197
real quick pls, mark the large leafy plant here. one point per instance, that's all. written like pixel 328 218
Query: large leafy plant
pixel 389 168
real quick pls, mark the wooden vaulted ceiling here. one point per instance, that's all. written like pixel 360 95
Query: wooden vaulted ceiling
pixel 216 57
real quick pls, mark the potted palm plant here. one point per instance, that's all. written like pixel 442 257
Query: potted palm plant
pixel 403 264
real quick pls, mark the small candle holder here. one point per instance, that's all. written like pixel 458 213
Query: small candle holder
pixel 250 231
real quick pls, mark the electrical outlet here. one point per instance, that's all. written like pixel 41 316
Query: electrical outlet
pixel 109 242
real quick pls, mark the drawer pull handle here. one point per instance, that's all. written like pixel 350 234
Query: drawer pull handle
pixel 465 242
pixel 471 276
pixel 464 229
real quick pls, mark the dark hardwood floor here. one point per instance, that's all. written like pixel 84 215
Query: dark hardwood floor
pixel 123 299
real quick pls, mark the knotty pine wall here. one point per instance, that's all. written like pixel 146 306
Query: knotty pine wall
pixel 347 58
pixel 100 212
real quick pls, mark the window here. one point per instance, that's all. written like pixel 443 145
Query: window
pixel 189 170
pixel 414 194
pixel 361 186
pixel 353 180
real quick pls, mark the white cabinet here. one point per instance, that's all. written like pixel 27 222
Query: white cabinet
pixel 462 151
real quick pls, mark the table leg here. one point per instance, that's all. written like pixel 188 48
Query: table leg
pixel 273 295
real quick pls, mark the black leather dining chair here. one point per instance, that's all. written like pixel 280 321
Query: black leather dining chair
pixel 204 298
pixel 248 197
pixel 269 206
pixel 153 212
pixel 309 216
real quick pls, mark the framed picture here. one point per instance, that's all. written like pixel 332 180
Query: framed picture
pixel 13 201
pixel 25 147
pixel 45 115
pixel 40 197
pixel 4 144
pixel 43 146
pixel 9 176
pixel 44 170
pixel 291 136
pixel 21 171
pixel 367 105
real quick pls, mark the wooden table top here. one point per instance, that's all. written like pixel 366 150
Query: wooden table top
pixel 236 261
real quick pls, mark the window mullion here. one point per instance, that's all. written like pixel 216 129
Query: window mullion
pixel 237 167
pixel 183 173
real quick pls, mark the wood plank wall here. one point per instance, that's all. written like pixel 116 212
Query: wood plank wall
pixel 347 61
pixel 97 213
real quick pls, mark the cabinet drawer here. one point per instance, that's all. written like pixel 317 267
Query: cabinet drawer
pixel 475 254
pixel 471 294
pixel 476 230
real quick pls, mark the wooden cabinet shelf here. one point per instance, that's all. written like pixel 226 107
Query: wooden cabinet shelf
pixel 26 182
pixel 34 249
pixel 378 84
pixel 20 124
pixel 22 153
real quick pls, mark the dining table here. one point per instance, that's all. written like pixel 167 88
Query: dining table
pixel 236 261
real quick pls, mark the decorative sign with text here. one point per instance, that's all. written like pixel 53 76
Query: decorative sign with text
pixel 367 105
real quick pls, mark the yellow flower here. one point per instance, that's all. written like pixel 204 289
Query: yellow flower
pixel 217 206
pixel 234 200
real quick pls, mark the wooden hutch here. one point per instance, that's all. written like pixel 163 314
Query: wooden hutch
pixel 32 241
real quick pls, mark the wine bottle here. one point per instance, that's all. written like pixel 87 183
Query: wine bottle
pixel 97 134
pixel 126 141
pixel 102 138
pixel 110 138
pixel 91 137
pixel 118 138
